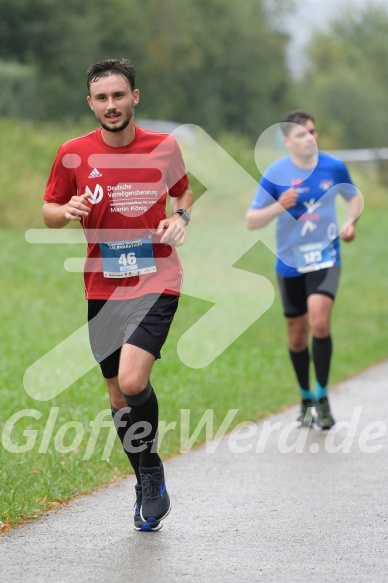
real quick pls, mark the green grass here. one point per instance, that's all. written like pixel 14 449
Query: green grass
pixel 27 152
pixel 41 304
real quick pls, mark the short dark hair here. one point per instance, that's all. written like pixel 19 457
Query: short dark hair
pixel 299 116
pixel 111 67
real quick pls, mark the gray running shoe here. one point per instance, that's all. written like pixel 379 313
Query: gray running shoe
pixel 307 412
pixel 155 504
pixel 138 523
pixel 324 419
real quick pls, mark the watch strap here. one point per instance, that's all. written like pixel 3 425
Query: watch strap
pixel 184 214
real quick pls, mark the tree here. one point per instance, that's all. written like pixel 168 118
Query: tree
pixel 346 85
pixel 217 64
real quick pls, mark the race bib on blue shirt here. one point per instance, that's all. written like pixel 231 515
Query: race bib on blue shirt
pixel 313 256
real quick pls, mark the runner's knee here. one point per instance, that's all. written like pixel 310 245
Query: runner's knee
pixel 132 383
pixel 297 334
pixel 320 326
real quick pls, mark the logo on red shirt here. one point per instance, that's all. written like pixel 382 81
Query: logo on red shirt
pixel 97 194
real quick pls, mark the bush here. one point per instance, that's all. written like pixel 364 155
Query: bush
pixel 18 97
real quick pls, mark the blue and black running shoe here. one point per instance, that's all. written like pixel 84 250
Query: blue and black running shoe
pixel 155 503
pixel 138 523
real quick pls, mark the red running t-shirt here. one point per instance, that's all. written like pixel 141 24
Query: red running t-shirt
pixel 129 187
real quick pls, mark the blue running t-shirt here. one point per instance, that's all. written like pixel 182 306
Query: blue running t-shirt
pixel 307 234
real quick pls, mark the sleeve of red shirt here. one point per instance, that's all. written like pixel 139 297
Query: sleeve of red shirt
pixel 177 181
pixel 61 184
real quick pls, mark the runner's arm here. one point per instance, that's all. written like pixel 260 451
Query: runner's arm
pixel 353 211
pixel 174 226
pixel 184 201
pixel 259 218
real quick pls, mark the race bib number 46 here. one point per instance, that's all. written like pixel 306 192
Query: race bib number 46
pixel 127 258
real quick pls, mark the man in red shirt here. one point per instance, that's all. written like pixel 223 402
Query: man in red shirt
pixel 115 181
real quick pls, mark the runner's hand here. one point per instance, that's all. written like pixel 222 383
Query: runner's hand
pixel 348 233
pixel 77 207
pixel 288 198
pixel 172 231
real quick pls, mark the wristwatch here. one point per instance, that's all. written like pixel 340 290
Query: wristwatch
pixel 184 214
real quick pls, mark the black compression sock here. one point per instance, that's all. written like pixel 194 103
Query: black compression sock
pixel 122 423
pixel 144 410
pixel 301 364
pixel 322 349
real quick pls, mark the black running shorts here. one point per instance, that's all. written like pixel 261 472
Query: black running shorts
pixel 294 291
pixel 143 322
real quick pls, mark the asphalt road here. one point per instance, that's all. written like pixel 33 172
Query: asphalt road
pixel 297 505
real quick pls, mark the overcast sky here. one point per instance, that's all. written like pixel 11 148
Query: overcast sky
pixel 311 15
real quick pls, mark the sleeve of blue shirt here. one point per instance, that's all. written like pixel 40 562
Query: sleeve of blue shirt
pixel 266 194
pixel 346 187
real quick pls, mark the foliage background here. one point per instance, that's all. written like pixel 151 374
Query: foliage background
pixel 219 64
pixel 198 62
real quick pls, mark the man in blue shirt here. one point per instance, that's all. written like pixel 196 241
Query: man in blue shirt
pixel 299 190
